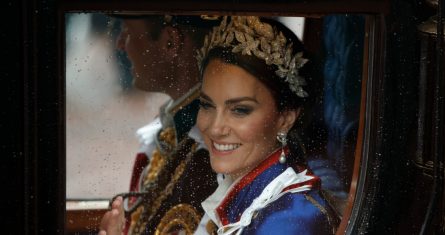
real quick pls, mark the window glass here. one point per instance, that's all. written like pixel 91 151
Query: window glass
pixel 105 110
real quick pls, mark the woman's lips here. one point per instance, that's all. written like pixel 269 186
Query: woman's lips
pixel 223 148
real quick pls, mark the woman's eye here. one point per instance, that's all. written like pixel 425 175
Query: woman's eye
pixel 241 110
pixel 205 105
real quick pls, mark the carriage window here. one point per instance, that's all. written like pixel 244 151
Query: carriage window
pixel 112 107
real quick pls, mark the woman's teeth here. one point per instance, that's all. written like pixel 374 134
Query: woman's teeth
pixel 225 147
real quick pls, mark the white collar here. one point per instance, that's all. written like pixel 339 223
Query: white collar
pixel 211 203
pixel 271 192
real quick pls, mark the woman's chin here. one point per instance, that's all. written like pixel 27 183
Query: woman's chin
pixel 220 166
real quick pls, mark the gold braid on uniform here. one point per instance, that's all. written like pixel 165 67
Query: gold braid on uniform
pixel 166 165
pixel 162 184
pixel 150 181
pixel 180 217
pixel 157 161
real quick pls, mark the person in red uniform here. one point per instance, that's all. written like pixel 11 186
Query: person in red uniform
pixel 162 52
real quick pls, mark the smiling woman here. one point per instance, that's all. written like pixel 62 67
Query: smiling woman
pixel 259 89
pixel 251 96
pixel 253 91
pixel 238 119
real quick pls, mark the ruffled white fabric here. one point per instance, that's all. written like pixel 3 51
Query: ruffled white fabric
pixel 147 135
pixel 272 192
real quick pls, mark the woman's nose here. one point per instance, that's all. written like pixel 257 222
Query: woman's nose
pixel 219 127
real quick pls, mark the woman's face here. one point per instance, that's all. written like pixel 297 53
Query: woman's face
pixel 238 119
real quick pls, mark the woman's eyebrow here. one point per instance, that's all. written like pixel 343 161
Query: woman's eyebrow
pixel 240 99
pixel 229 101
pixel 205 97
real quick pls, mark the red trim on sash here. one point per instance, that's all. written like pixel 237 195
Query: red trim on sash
pixel 247 179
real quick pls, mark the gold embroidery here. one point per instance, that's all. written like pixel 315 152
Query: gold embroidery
pixel 157 162
pixel 160 193
pixel 162 164
pixel 150 211
pixel 180 217
pixel 137 214
pixel 168 135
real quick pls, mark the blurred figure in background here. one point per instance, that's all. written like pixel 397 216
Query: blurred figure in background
pixel 161 50
pixel 102 115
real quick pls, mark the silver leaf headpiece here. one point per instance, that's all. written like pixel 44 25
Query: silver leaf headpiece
pixel 248 35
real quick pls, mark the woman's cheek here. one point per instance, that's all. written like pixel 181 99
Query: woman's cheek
pixel 204 121
pixel 248 129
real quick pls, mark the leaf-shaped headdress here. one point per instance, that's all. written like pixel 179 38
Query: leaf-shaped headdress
pixel 249 36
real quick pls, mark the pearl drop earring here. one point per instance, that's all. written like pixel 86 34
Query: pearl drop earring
pixel 282 137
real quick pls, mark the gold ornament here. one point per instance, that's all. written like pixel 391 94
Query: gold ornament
pixel 249 36
pixel 160 193
pixel 180 217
